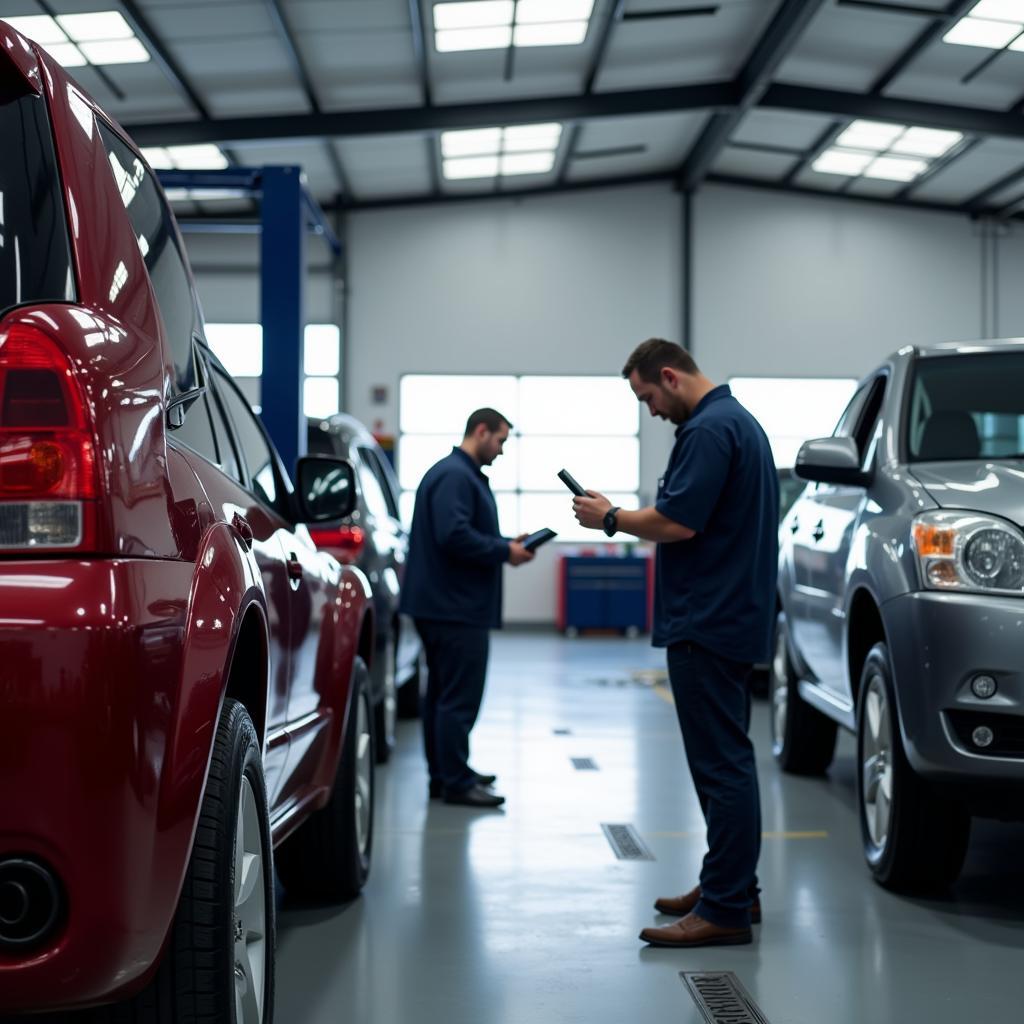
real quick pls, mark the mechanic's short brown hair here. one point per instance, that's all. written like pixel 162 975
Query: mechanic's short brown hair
pixel 650 357
pixel 490 418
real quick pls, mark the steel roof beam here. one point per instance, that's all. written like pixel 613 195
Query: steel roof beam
pixel 771 50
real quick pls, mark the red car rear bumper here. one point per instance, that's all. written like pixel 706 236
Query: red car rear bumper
pixel 91 706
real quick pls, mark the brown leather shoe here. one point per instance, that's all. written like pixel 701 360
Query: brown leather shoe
pixel 680 906
pixel 693 931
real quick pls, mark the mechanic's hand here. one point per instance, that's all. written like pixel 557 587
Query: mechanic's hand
pixel 590 510
pixel 517 554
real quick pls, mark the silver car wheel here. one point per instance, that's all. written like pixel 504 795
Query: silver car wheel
pixel 364 777
pixel 780 690
pixel 250 911
pixel 876 766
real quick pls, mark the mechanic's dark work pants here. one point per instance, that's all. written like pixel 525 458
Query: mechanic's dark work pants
pixel 456 669
pixel 712 696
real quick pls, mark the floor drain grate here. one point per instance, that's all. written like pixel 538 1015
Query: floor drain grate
pixel 584 764
pixel 563 732
pixel 626 842
pixel 721 998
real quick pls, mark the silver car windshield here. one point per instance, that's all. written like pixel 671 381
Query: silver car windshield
pixel 967 407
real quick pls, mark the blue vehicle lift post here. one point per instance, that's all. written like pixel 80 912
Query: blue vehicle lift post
pixel 287 211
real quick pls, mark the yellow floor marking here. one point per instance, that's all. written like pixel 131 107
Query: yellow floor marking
pixel 664 693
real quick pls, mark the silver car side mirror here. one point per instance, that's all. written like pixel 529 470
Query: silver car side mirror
pixel 831 460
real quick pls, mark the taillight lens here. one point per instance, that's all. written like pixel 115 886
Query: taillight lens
pixel 349 541
pixel 47 456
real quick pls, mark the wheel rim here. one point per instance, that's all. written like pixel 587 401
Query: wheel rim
pixel 250 911
pixel 780 691
pixel 364 777
pixel 876 762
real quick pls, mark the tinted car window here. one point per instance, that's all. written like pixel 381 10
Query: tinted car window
pixel 197 431
pixel 256 450
pixel 383 478
pixel 967 407
pixel 229 460
pixel 373 493
pixel 320 442
pixel 35 260
pixel 153 225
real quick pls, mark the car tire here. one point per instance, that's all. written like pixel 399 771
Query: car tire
pixel 385 712
pixel 412 691
pixel 803 739
pixel 209 970
pixel 914 839
pixel 328 858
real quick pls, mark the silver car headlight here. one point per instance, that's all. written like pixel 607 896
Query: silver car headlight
pixel 969 551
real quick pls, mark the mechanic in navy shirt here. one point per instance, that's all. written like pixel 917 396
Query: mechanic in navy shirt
pixel 452 588
pixel 715 522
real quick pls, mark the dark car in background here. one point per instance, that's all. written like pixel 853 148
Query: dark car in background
pixel 901 582
pixel 374 539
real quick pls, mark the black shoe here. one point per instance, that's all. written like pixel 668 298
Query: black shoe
pixel 485 780
pixel 436 789
pixel 475 796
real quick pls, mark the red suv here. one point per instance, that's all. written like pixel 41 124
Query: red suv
pixel 183 676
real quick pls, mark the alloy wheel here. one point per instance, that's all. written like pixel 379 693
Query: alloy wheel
pixel 250 911
pixel 364 776
pixel 876 762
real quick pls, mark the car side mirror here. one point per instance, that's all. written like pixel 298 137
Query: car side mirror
pixel 326 488
pixel 831 460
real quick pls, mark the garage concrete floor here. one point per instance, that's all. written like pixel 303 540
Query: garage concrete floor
pixel 526 917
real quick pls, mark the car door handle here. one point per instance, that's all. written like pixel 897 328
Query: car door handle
pixel 819 530
pixel 243 529
pixel 294 568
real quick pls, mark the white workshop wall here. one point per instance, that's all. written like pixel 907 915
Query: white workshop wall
pixel 784 285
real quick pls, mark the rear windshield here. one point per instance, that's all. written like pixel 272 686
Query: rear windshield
pixel 967 407
pixel 35 261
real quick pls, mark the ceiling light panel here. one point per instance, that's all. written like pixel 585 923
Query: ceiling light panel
pixel 527 163
pixel 842 161
pixel 497 24
pixel 895 168
pixel 473 14
pixel 928 142
pixel 475 142
pixel 471 167
pixel 992 35
pixel 529 137
pixel 74 40
pixel 533 12
pixel 1000 10
pixel 873 135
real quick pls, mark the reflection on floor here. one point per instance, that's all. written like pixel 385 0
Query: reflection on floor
pixel 526 916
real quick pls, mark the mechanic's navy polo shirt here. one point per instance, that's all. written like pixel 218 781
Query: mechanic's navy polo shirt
pixel 453 573
pixel 718 588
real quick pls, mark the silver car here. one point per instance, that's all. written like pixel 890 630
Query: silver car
pixel 901 592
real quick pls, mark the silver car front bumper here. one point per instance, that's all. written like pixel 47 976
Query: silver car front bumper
pixel 939 643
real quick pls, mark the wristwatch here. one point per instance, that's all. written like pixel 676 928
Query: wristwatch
pixel 610 522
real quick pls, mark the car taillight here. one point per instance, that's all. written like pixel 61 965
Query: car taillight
pixel 47 457
pixel 349 540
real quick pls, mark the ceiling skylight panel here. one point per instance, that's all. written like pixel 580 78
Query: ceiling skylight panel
pixel 842 161
pixel 474 142
pixel 471 167
pixel 473 14
pixel 67 55
pixel 530 137
pixel 499 38
pixel 1000 10
pixel 992 35
pixel 874 135
pixel 532 12
pixel 205 157
pixel 40 28
pixel 568 33
pixel 100 27
pixel 929 142
pixel 115 51
pixel 895 168
pixel 527 163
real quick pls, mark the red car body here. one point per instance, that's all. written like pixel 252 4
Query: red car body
pixel 116 655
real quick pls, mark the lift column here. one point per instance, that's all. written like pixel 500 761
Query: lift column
pixel 282 272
